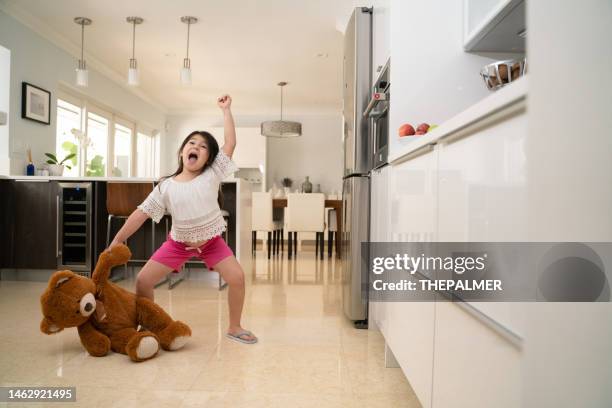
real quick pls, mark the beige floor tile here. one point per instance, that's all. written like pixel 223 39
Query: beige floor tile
pixel 308 355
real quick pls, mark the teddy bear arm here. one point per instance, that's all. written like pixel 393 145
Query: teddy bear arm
pixel 118 255
pixel 96 343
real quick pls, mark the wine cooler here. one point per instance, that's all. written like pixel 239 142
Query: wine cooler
pixel 74 229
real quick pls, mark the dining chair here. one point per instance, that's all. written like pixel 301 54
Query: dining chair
pixel 262 220
pixel 332 229
pixel 305 213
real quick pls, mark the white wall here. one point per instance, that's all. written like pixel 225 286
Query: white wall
pixel 433 77
pixel 5 78
pixel 40 62
pixel 317 153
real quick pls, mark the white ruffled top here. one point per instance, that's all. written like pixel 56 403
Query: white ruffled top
pixel 193 205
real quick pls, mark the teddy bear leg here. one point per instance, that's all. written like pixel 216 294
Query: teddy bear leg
pixel 172 334
pixel 138 345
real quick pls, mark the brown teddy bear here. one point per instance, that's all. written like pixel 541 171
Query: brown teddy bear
pixel 107 316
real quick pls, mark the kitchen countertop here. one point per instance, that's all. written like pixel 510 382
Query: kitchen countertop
pixel 491 104
pixel 70 178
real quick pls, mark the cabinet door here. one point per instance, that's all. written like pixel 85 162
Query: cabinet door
pixel 35 208
pixel 473 366
pixel 482 197
pixel 250 147
pixel 379 206
pixel 6 223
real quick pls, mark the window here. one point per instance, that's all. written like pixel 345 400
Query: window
pixel 68 126
pixel 104 143
pixel 97 145
pixel 122 163
pixel 145 153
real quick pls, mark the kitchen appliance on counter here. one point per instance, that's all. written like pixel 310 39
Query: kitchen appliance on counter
pixel 357 81
pixel 377 112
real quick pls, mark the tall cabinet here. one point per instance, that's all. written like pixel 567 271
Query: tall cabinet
pixel 34 206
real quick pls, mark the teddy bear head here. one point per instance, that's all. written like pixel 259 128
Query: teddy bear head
pixel 68 301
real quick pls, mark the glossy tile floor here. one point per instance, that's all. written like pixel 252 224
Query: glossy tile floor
pixel 308 354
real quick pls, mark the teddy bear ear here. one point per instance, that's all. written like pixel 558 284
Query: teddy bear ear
pixel 49 328
pixel 60 277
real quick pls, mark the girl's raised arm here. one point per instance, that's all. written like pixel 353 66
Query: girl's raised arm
pixel 229 129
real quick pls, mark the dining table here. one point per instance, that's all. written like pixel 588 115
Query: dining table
pixel 335 204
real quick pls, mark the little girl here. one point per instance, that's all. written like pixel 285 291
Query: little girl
pixel 190 197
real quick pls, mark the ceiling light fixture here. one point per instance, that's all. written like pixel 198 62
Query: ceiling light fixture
pixel 281 128
pixel 82 77
pixel 186 70
pixel 133 77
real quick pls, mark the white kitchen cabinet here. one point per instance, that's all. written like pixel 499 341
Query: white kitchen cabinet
pixel 379 230
pixel 473 366
pixel 494 25
pixel 483 195
pixel 380 205
pixel 250 147
pixel 408 327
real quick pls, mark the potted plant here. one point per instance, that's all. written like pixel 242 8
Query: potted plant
pixel 56 167
pixel 287 183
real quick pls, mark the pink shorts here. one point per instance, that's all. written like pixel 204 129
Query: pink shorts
pixel 174 254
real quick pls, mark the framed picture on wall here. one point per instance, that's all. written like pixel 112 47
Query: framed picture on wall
pixel 35 103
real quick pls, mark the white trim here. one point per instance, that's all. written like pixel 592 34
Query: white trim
pixel 44 30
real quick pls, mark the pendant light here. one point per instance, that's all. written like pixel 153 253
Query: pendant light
pixel 281 128
pixel 82 77
pixel 133 77
pixel 186 70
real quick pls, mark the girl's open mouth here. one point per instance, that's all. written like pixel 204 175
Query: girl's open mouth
pixel 192 157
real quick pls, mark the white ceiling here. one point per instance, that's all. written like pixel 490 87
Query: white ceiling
pixel 240 47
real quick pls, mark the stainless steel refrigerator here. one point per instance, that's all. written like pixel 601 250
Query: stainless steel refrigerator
pixel 357 78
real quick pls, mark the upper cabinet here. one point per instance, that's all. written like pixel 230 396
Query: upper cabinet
pixel 250 147
pixel 494 25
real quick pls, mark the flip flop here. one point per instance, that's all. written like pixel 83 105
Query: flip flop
pixel 236 337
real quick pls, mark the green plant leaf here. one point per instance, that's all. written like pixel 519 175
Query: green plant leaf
pixel 70 156
pixel 51 162
pixel 51 156
pixel 68 167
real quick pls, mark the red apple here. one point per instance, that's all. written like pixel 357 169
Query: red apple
pixel 423 127
pixel 420 132
pixel 406 130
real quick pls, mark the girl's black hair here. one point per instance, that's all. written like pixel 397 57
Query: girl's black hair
pixel 213 150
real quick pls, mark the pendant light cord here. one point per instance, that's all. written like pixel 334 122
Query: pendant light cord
pixel 133 38
pixel 82 39
pixel 188 29
pixel 281 103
